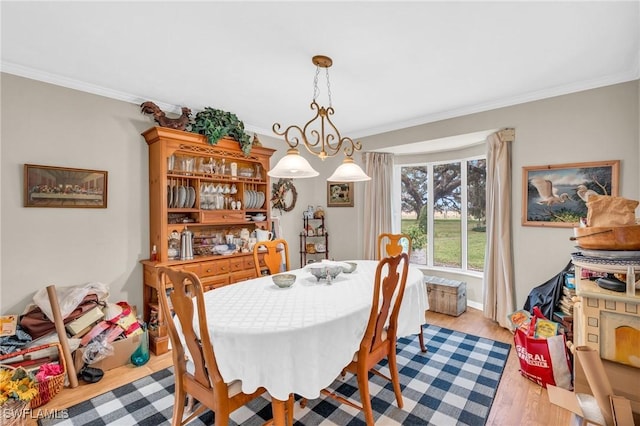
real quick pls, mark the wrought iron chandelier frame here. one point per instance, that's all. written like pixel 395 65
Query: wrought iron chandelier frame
pixel 327 141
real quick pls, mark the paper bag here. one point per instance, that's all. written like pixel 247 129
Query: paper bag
pixel 604 210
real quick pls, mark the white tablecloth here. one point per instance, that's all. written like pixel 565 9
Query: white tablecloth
pixel 298 340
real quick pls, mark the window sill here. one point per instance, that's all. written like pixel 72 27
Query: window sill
pixel 429 269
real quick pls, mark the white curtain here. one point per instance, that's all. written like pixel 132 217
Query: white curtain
pixel 499 292
pixel 377 199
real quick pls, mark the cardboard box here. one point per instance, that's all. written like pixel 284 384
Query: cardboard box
pixel 122 350
pixel 601 408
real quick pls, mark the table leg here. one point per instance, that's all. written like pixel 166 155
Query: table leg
pixel 278 408
pixel 423 348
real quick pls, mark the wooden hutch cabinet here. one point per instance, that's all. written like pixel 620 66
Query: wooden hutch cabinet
pixel 215 192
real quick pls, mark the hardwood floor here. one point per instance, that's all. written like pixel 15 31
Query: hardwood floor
pixel 518 400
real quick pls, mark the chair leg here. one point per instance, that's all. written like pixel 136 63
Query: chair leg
pixel 289 410
pixel 178 406
pixel 395 379
pixel 190 403
pixel 365 397
pixel 279 409
pixel 423 348
pixel 221 418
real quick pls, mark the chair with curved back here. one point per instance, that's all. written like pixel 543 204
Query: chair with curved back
pixel 379 341
pixel 272 255
pixel 197 374
pixel 391 245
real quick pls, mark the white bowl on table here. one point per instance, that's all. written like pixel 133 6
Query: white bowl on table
pixel 283 280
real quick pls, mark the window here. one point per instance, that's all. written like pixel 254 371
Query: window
pixel 442 207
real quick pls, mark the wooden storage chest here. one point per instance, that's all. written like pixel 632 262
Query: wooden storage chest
pixel 446 296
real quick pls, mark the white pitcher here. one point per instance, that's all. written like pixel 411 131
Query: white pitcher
pixel 263 235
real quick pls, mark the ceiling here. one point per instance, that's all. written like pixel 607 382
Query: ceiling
pixel 395 64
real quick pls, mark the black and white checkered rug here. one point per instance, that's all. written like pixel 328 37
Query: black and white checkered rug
pixel 454 383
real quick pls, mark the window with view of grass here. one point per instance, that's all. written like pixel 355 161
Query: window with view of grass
pixel 443 210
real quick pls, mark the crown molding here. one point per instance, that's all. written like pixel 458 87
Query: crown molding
pixel 71 83
pixel 608 80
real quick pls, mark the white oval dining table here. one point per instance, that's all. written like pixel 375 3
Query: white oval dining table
pixel 298 339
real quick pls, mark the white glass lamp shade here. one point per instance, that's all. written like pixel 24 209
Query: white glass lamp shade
pixel 293 165
pixel 348 171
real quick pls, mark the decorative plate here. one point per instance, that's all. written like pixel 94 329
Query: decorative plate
pixel 182 197
pixel 174 204
pixel 611 254
pixel 192 197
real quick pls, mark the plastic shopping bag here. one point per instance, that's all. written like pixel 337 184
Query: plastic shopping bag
pixel 69 298
pixel 544 361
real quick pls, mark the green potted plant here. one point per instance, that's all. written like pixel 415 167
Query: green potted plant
pixel 216 124
pixel 418 244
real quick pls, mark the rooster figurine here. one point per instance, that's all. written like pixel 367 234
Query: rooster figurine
pixel 161 118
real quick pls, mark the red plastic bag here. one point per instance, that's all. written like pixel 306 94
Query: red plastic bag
pixel 543 361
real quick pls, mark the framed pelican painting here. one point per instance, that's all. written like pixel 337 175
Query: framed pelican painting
pixel 555 195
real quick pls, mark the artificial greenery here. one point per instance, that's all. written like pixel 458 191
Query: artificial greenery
pixel 17 385
pixel 216 124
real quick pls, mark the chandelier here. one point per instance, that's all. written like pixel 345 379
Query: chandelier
pixel 321 138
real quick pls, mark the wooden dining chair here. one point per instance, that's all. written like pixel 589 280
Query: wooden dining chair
pixel 272 255
pixel 379 341
pixel 197 374
pixel 390 245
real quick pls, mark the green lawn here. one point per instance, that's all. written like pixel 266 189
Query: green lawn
pixel 447 244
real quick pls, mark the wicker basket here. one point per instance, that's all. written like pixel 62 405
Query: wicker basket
pixel 50 387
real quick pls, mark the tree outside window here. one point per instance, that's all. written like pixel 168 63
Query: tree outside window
pixel 456 233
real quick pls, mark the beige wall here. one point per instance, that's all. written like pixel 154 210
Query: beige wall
pixel 50 125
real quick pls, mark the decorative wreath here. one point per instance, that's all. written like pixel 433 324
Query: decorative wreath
pixel 280 195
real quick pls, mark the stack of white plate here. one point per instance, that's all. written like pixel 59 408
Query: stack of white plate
pixel 181 197
pixel 253 199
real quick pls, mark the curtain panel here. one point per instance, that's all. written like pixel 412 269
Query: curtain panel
pixel 377 199
pixel 499 292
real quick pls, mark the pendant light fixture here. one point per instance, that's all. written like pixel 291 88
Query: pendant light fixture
pixel 321 138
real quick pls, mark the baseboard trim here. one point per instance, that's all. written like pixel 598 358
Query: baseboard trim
pixel 475 305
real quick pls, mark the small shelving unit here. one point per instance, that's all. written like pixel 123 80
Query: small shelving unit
pixel 313 238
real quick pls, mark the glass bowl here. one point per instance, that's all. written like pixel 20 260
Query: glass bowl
pixel 284 280
pixel 321 271
pixel 352 267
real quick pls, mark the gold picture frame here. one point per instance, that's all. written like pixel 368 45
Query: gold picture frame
pixel 50 186
pixel 340 194
pixel 554 195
